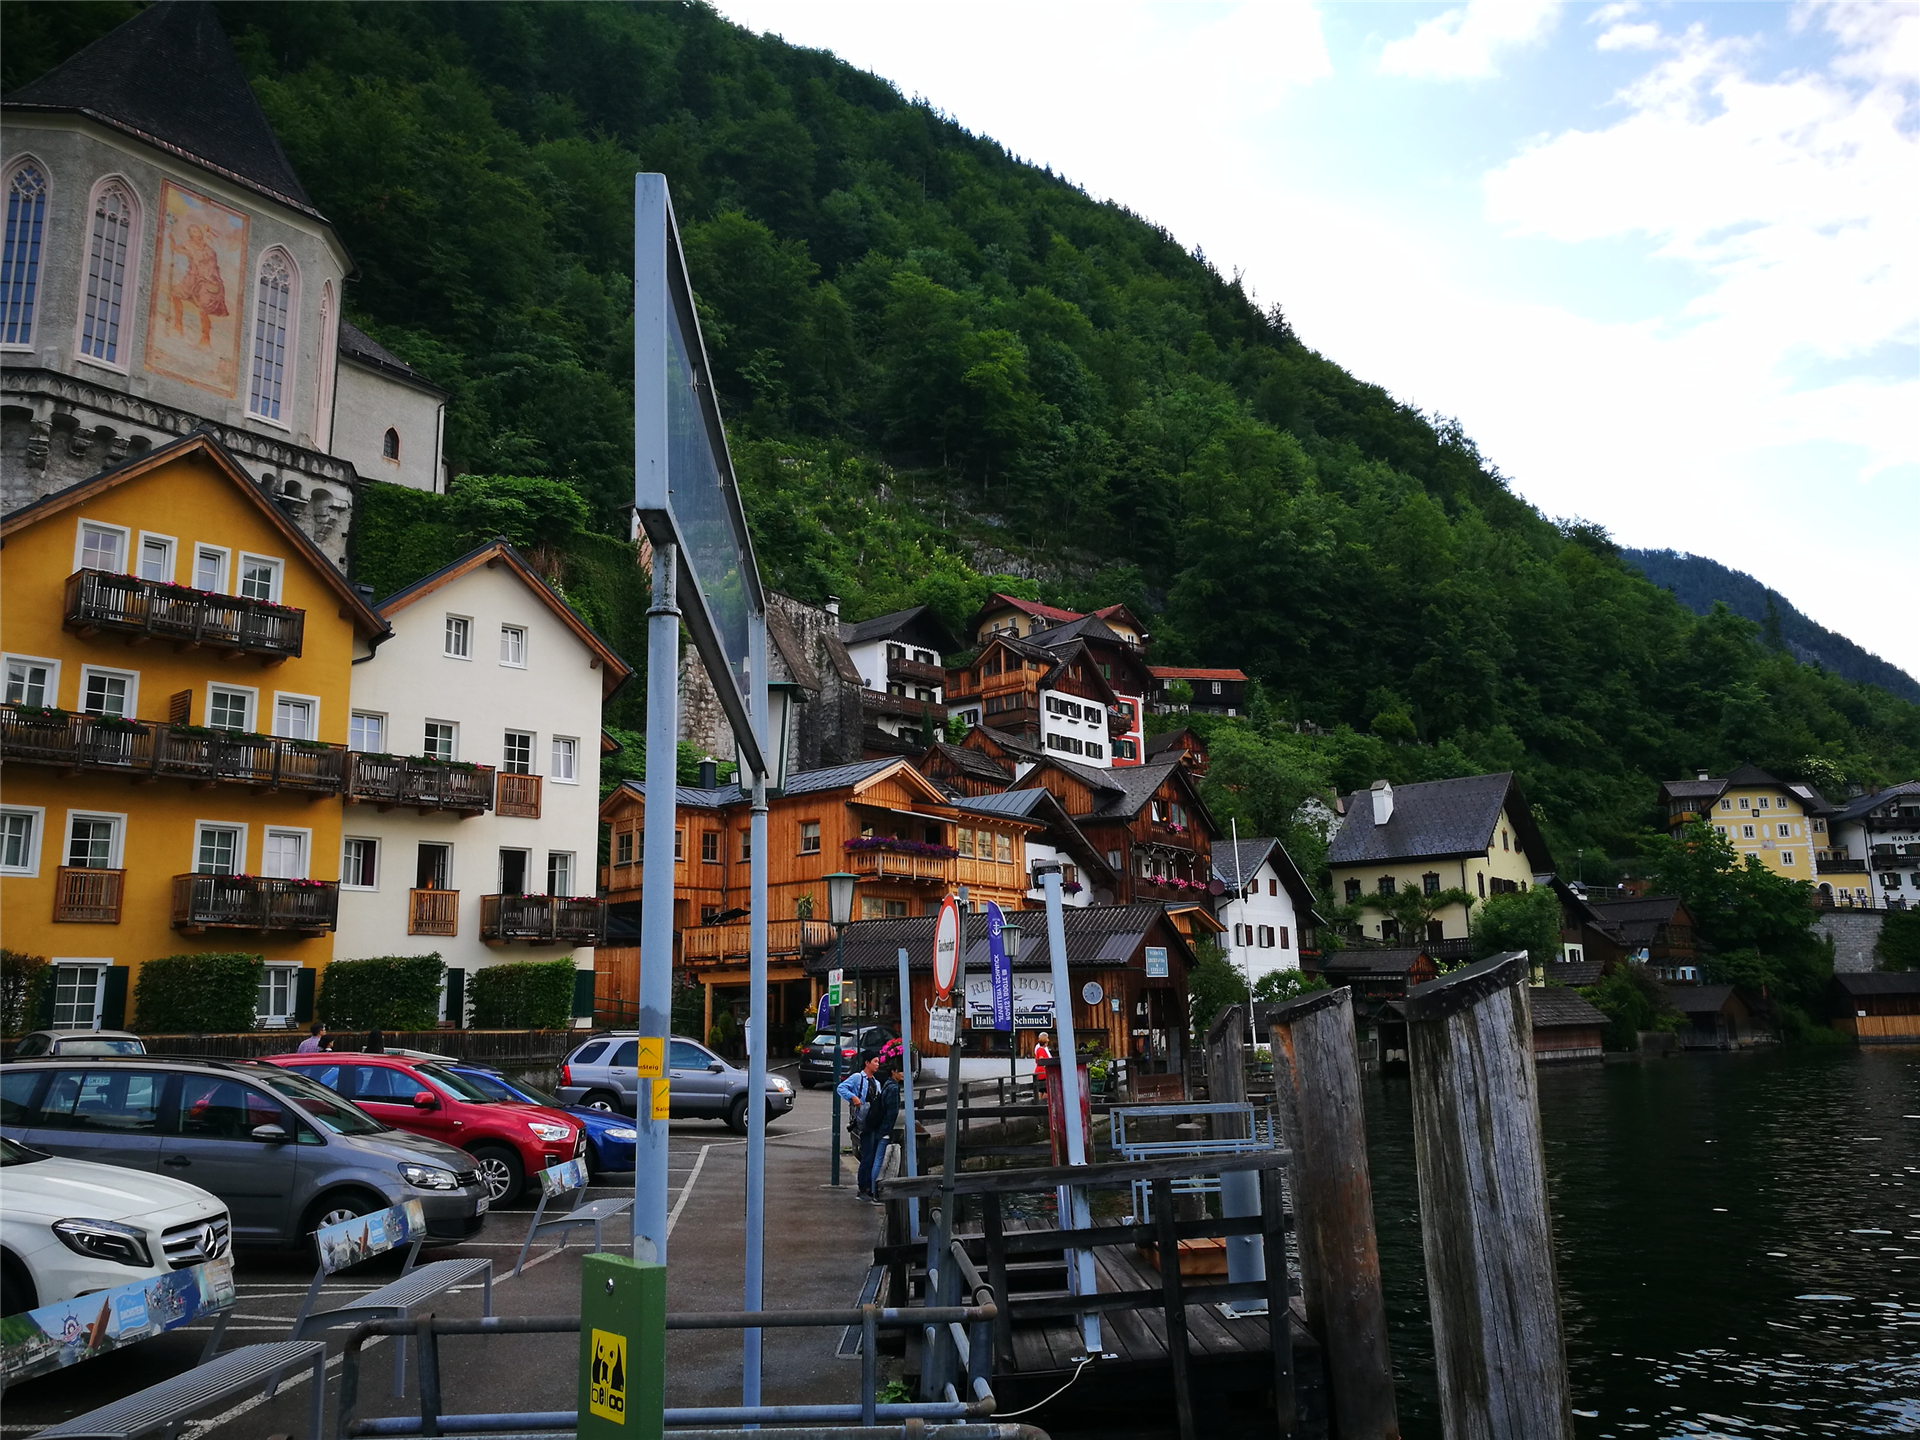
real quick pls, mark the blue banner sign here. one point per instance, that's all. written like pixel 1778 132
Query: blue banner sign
pixel 1002 969
pixel 824 1020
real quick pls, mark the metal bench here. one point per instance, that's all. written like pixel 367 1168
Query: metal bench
pixel 570 1176
pixel 352 1241
pixel 162 1409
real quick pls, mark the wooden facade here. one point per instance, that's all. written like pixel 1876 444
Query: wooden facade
pixel 1150 824
pixel 1878 1008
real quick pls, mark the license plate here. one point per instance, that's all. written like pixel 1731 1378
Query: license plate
pixel 485 1201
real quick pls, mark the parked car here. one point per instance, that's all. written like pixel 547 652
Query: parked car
pixel 78 1042
pixel 602 1074
pixel 70 1227
pixel 284 1154
pixel 509 1140
pixel 816 1064
pixel 610 1135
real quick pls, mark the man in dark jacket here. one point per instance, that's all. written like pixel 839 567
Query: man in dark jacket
pixel 876 1125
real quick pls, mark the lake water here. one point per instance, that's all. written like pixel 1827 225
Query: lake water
pixel 1738 1240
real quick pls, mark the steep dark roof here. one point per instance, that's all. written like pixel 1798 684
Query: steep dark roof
pixel 976 763
pixel 359 346
pixel 918 622
pixel 1249 855
pixel 1123 790
pixel 1574 974
pixel 1659 908
pixel 169 77
pixel 1861 805
pixel 1087 627
pixel 832 777
pixel 1751 775
pixel 1555 1007
pixel 1018 744
pixel 1881 982
pixel 1698 999
pixel 787 646
pixel 1101 935
pixel 1370 962
pixel 1437 820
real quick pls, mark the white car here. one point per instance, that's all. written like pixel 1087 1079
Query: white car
pixel 71 1227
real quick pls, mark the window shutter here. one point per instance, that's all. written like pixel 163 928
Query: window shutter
pixel 457 998
pixel 303 996
pixel 583 994
pixel 113 1000
pixel 179 707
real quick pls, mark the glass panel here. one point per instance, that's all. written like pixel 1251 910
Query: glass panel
pixel 357 863
pixel 76 997
pixel 513 645
pixel 27 683
pixel 293 719
pixel 209 567
pixel 439 739
pixel 218 849
pixel 277 984
pixel 100 549
pixel 559 874
pixel 256 578
pixel 564 752
pixel 90 844
pixel 156 560
pixel 224 1109
pixel 457 635
pixel 106 274
pixel 106 694
pixel 270 335
pixel 284 855
pixel 227 709
pixel 367 732
pixel 20 260
pixel 16 841
pixel 517 753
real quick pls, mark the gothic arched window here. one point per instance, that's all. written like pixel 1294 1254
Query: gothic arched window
pixel 20 261
pixel 390 446
pixel 111 243
pixel 273 334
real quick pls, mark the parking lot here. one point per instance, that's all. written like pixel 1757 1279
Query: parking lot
pixel 818 1249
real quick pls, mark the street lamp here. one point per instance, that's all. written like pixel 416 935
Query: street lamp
pixel 1010 941
pixel 839 915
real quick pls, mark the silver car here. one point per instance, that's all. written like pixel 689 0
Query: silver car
pixel 286 1155
pixel 603 1074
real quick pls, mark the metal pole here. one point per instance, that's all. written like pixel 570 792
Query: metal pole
pixel 756 1085
pixel 656 901
pixel 906 1061
pixel 1074 1213
pixel 950 1141
pixel 833 1134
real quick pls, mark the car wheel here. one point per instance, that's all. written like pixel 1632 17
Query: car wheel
pixel 341 1205
pixel 807 1083
pixel 17 1295
pixel 737 1115
pixel 602 1100
pixel 500 1171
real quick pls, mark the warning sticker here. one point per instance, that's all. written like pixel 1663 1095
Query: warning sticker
pixel 659 1088
pixel 607 1384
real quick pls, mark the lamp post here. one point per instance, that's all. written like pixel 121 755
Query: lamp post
pixel 1010 940
pixel 839 915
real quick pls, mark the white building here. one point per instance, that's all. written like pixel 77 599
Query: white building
pixel 1267 909
pixel 473 820
pixel 901 677
pixel 1873 859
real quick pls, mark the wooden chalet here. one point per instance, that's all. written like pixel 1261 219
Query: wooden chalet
pixel 1215 691
pixel 1183 744
pixel 1565 1027
pixel 1012 684
pixel 1147 820
pixel 1878 1008
pixel 964 770
pixel 1655 930
pixel 1718 1017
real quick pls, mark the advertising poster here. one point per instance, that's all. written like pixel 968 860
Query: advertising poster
pixel 74 1330
pixel 1030 995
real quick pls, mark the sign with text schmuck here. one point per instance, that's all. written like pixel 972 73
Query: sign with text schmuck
pixel 1029 1000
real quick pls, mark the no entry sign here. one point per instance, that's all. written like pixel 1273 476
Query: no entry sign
pixel 946 948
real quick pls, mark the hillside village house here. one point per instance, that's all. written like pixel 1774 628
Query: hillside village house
pixel 1214 691
pixel 1872 857
pixel 1013 696
pixel 1267 907
pixel 901 676
pixel 165 271
pixel 472 827
pixel 1474 834
pixel 178 657
pixel 1782 824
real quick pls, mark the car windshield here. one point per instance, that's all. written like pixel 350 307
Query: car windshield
pixel 94 1045
pixel 14 1153
pixel 498 1089
pixel 458 1087
pixel 319 1104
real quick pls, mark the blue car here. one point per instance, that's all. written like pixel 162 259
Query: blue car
pixel 610 1135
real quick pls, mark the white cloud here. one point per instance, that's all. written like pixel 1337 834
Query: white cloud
pixel 1467 43
pixel 1643 36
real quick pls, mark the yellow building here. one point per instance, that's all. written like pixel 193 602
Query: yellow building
pixel 176 659
pixel 1474 834
pixel 1784 824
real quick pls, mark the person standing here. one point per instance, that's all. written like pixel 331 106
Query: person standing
pixel 858 1090
pixel 376 1042
pixel 313 1041
pixel 1042 1047
pixel 876 1128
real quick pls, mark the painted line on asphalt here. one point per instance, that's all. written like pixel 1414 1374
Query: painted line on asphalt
pixel 686 1191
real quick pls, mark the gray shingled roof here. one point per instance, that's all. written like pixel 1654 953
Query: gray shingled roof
pixel 1251 853
pixel 169 77
pixel 356 344
pixel 1233 863
pixel 1435 820
pixel 1097 935
pixel 1555 1006
pixel 1698 999
pixel 933 632
pixel 1859 806
pixel 1370 962
pixel 1019 744
pixel 1574 974
pixel 1881 982
pixel 832 777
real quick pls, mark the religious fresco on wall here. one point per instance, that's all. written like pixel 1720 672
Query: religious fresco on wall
pixel 199 277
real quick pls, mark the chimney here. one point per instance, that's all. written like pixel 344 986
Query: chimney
pixel 1701 775
pixel 709 774
pixel 1382 802
pixel 833 607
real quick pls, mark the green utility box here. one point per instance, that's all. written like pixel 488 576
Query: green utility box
pixel 623 1349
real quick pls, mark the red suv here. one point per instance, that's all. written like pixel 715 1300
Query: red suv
pixel 509 1141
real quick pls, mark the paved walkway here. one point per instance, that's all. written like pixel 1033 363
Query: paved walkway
pixel 818 1248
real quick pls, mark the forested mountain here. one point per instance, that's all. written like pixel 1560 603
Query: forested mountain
pixel 1699 584
pixel 937 362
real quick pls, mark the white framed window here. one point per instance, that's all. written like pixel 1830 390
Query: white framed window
pixel 559 872
pixel 809 837
pixel 459 637
pixel 219 847
pixel 94 839
pixel 279 985
pixel 296 717
pixel 112 241
pixel 260 577
pixel 109 692
pixel 359 863
pixel 99 546
pixel 442 741
pixel 210 569
pixel 32 680
pixel 20 839
pixel 275 307
pixel 1746 832
pixel 1266 931
pixel 156 557
pixel 78 992
pixel 566 760
pixel 367 731
pixel 230 707
pixel 1765 802
pixel 283 852
pixel 516 753
pixel 513 646
pixel 20 259
pixel 1784 829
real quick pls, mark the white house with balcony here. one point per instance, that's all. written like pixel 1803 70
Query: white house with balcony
pixel 472 822
pixel 1267 907
pixel 902 679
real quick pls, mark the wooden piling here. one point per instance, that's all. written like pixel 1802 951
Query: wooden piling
pixel 1317 1093
pixel 1501 1353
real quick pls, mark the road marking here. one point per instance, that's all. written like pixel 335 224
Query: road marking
pixel 686 1191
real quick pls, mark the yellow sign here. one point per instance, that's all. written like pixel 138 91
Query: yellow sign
pixel 607 1385
pixel 650 1063
pixel 659 1111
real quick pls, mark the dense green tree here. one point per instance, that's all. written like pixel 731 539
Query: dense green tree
pixel 1528 920
pixel 1898 947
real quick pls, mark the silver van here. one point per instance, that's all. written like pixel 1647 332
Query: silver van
pixel 287 1155
pixel 603 1074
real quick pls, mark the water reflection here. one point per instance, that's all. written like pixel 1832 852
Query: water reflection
pixel 1738 1239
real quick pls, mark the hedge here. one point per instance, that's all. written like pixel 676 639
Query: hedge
pixel 523 995
pixel 23 980
pixel 216 992
pixel 394 992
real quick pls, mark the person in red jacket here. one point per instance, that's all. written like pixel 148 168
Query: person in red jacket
pixel 1042 1047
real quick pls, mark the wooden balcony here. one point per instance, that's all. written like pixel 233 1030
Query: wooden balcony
pixel 254 902
pixel 385 781
pixel 710 944
pixel 878 702
pixel 542 919
pixel 433 912
pixel 893 865
pixel 1840 865
pixel 143 610
pixel 517 795
pixel 916 672
pixel 87 897
pixel 146 751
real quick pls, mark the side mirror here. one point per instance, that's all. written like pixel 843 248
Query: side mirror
pixel 423 1100
pixel 270 1134
pixel 716 1068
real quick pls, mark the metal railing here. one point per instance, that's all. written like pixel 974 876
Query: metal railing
pixel 127 605
pixel 517 795
pixel 387 780
pixel 433 912
pixel 542 919
pixel 123 747
pixel 254 902
pixel 87 897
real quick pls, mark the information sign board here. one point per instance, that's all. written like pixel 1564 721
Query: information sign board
pixel 941 1027
pixel 1156 962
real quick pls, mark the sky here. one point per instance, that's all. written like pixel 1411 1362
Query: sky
pixel 1662 261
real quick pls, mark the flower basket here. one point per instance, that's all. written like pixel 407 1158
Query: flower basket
pixel 118 725
pixel 40 714
pixel 896 846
